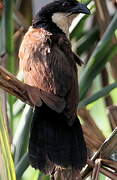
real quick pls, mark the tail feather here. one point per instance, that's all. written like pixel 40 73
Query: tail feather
pixel 53 141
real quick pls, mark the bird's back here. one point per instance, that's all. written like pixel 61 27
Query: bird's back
pixel 50 70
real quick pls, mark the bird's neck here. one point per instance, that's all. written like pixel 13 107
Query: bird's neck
pixel 63 21
pixel 55 23
pixel 47 23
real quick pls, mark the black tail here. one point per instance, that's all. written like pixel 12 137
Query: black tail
pixel 53 141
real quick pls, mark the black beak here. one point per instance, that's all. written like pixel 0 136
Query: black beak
pixel 80 8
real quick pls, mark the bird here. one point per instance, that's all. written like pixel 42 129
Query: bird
pixel 50 73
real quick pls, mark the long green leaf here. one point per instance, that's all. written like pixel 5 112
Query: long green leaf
pixel 22 166
pixel 9 44
pixel 21 137
pixel 104 92
pixel 3 168
pixel 88 41
pixel 5 147
pixel 9 28
pixel 78 31
pixel 96 58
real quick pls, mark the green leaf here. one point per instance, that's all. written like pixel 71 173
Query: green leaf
pixel 99 57
pixel 9 45
pixel 18 107
pixel 104 92
pixel 78 31
pixel 21 137
pixel 9 29
pixel 87 41
pixel 22 166
pixel 6 151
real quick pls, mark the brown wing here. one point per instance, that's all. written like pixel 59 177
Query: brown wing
pixel 48 71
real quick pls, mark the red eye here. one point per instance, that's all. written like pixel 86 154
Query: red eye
pixel 65 4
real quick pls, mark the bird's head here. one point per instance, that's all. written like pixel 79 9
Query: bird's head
pixel 60 12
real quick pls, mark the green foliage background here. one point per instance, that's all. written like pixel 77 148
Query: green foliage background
pixel 93 42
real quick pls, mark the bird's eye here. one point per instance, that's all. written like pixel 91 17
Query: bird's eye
pixel 65 4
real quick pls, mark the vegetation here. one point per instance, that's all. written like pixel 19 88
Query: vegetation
pixel 94 39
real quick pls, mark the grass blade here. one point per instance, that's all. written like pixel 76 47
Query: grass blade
pixel 104 92
pixel 5 146
pixel 22 166
pixel 21 137
pixel 96 58
pixel 9 44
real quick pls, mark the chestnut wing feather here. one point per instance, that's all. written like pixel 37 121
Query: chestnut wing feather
pixel 46 69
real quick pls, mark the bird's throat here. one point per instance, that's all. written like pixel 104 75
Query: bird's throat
pixel 63 21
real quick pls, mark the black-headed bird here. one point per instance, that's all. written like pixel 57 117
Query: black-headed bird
pixel 50 72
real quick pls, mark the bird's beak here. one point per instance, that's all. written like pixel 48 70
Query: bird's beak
pixel 80 8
